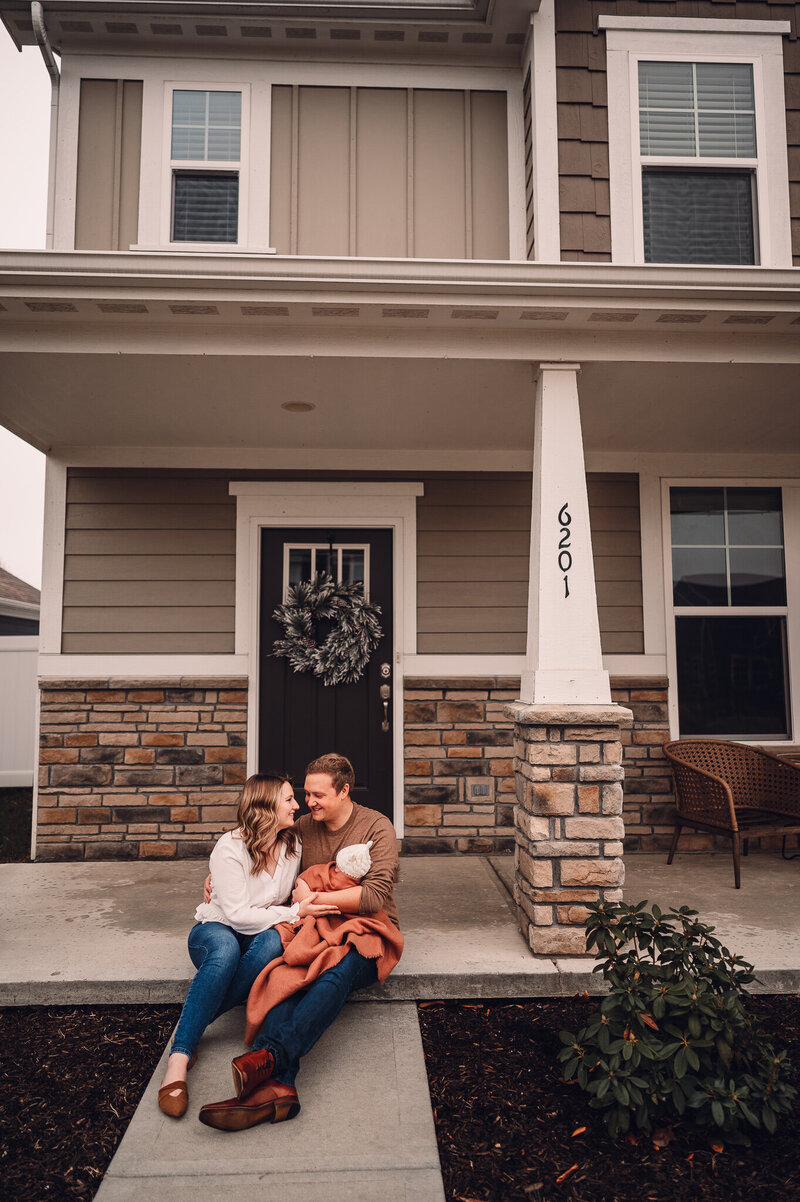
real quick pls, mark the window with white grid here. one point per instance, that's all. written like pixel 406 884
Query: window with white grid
pixel 698 163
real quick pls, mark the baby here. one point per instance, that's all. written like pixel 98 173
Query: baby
pixel 350 865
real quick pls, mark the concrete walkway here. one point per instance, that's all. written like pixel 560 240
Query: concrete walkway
pixel 365 1132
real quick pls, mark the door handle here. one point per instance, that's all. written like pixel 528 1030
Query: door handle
pixel 385 694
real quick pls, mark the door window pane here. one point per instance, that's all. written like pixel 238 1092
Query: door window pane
pixel 349 564
pixel 695 216
pixel 699 576
pixel 732 676
pixel 205 207
pixel 299 564
pixel 353 565
pixel 327 561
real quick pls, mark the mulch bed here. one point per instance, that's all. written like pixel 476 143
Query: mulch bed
pixel 509 1129
pixel 507 1126
pixel 16 807
pixel 70 1080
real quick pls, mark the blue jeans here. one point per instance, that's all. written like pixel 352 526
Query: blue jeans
pixel 227 963
pixel 293 1026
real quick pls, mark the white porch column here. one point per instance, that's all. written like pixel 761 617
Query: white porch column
pixel 563 663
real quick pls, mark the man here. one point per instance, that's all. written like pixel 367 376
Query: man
pixel 264 1078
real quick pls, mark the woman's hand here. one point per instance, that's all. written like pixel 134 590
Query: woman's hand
pixel 207 889
pixel 301 891
pixel 310 908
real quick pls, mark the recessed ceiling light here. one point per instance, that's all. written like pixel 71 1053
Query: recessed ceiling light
pixel 298 407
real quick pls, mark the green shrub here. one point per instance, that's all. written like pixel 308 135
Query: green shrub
pixel 672 1039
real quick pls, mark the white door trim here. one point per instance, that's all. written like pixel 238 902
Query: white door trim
pixel 389 505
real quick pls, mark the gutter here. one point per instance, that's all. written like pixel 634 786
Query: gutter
pixel 43 41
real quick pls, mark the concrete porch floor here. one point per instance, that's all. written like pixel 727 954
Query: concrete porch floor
pixel 116 933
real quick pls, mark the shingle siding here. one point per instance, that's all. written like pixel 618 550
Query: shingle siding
pixel 583 109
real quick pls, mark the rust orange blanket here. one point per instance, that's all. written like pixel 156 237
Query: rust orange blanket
pixel 316 944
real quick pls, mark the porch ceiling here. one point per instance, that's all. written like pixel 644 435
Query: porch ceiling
pixel 388 404
pixel 176 350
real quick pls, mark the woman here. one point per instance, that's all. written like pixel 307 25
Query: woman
pixel 253 870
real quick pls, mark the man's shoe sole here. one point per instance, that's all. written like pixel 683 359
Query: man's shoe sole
pixel 239 1118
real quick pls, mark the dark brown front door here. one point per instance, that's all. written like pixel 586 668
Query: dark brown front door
pixel 300 717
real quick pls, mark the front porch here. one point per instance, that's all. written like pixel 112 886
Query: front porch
pixel 80 934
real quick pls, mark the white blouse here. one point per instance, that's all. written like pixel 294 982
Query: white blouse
pixel 248 903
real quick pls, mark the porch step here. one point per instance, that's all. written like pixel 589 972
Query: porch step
pixel 89 933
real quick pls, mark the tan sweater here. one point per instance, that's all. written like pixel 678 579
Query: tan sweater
pixel 321 846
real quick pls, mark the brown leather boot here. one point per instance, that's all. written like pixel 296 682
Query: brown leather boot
pixel 272 1102
pixel 251 1070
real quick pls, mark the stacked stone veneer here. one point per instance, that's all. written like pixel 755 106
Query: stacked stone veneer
pixel 457 737
pixel 568 764
pixel 139 769
pixel 459 767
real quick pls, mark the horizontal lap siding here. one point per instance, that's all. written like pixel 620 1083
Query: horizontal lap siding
pixel 583 109
pixel 472 569
pixel 149 564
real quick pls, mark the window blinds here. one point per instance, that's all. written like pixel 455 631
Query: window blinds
pixel 694 216
pixel 205 207
pixel 704 110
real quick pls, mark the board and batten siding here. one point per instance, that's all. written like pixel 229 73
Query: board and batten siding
pixel 389 172
pixel 109 159
pixel 473 540
pixel 150 563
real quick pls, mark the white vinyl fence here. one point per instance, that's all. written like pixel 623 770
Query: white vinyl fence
pixel 18 701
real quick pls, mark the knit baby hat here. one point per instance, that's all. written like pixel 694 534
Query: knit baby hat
pixel 355 860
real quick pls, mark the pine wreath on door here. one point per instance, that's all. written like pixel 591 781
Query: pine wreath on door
pixel 300 717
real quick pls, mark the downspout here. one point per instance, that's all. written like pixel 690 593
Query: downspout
pixel 39 29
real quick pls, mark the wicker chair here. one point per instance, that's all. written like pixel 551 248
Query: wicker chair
pixel 735 790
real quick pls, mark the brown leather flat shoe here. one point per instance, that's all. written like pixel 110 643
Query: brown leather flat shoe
pixel 173 1099
pixel 251 1070
pixel 270 1103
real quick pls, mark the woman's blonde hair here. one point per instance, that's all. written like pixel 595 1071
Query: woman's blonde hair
pixel 258 818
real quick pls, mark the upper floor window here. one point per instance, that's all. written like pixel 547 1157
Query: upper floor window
pixel 697 141
pixel 206 163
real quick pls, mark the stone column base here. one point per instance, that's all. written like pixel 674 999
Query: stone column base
pixel 568 823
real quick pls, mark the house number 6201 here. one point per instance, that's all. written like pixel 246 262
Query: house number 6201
pixel 564 553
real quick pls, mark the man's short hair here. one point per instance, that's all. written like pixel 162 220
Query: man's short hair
pixel 337 767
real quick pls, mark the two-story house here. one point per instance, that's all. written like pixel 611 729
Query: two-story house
pixel 488 306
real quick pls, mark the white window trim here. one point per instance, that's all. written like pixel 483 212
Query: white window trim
pixel 757 43
pixel 384 505
pixel 790 491
pixel 215 166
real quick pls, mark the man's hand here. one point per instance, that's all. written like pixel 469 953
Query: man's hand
pixel 310 907
pixel 301 891
pixel 207 889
